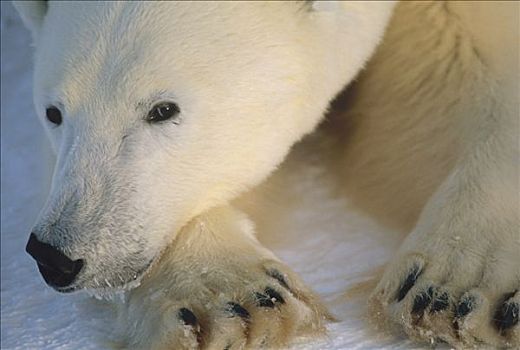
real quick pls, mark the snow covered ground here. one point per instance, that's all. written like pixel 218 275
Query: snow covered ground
pixel 331 253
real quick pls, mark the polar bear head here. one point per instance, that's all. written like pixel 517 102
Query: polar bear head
pixel 158 111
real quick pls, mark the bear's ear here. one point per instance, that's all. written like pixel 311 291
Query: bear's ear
pixel 32 13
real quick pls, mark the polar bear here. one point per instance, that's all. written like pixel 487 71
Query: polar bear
pixel 170 118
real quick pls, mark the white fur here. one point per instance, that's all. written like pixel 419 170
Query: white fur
pixel 431 123
pixel 105 65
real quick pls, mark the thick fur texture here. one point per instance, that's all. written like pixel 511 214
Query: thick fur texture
pixel 235 70
pixel 463 89
pixel 425 140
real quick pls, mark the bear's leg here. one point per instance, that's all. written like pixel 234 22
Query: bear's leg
pixel 216 287
pixel 457 276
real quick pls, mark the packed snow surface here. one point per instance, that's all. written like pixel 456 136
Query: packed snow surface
pixel 331 248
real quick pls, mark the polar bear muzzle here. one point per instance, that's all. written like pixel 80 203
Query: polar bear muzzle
pixel 57 269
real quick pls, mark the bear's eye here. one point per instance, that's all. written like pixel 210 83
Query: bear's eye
pixel 53 115
pixel 163 111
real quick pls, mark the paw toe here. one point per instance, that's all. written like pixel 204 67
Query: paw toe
pixel 263 300
pixel 235 309
pixel 409 282
pixel 187 317
pixel 465 306
pixel 274 295
pixel 269 298
pixel 280 277
pixel 441 301
pixel 422 301
pixel 507 314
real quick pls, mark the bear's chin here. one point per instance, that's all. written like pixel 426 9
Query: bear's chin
pixel 111 290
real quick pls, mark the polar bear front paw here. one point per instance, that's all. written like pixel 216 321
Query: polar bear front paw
pixel 463 295
pixel 216 287
pixel 266 309
pixel 242 306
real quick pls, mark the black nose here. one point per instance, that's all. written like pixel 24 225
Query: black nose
pixel 56 268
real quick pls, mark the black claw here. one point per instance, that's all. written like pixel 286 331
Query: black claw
pixel 441 302
pixel 263 300
pixel 507 316
pixel 188 317
pixel 422 301
pixel 237 310
pixel 465 306
pixel 277 275
pixel 409 282
pixel 271 293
